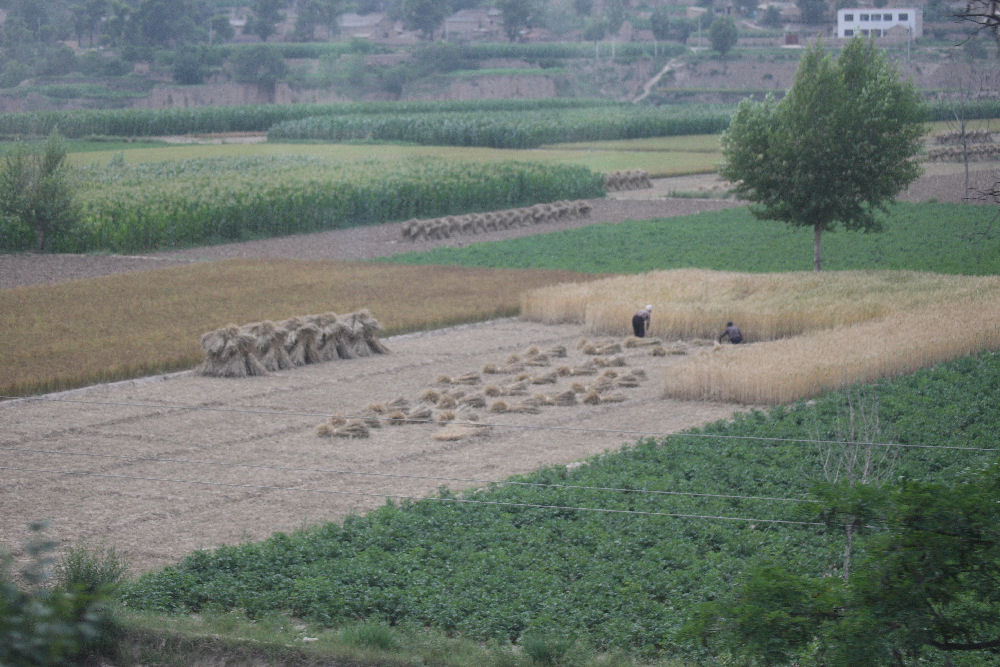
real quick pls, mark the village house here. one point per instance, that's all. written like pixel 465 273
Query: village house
pixel 470 25
pixel 885 22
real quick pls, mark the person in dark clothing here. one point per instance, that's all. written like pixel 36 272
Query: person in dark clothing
pixel 733 333
pixel 640 322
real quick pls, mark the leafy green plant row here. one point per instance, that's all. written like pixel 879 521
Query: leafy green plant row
pixel 629 580
pixel 508 129
pixel 129 208
pixel 245 118
pixel 944 238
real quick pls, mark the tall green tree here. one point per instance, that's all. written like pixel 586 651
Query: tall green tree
pixel 318 13
pixel 35 189
pixel 266 14
pixel 723 35
pixel 812 11
pixel 659 23
pixel 925 590
pixel 424 16
pixel 835 150
pixel 516 16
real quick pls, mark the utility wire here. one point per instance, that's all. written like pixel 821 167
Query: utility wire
pixel 468 501
pixel 225 464
pixel 526 427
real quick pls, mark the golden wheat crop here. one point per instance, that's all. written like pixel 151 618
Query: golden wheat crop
pixel 115 327
pixel 809 332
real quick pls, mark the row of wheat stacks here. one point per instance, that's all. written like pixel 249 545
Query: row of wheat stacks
pixel 262 347
pixel 452 401
pixel 974 145
pixel 479 223
pixel 631 179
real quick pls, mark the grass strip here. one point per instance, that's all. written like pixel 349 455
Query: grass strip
pixel 116 327
pixel 942 238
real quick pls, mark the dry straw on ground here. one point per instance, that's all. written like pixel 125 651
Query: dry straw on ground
pixel 808 332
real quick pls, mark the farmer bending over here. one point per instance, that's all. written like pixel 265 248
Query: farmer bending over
pixel 640 322
pixel 733 333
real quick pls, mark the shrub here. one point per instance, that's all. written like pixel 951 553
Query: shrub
pixel 45 624
pixel 91 569
pixel 35 189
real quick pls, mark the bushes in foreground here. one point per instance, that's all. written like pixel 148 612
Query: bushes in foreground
pixel 55 613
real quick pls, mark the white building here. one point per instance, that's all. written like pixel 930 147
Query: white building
pixel 873 22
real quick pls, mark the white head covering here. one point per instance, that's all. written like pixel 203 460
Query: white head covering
pixel 650 307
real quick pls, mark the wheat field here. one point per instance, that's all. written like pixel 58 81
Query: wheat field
pixel 808 332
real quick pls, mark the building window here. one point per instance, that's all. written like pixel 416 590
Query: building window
pixel 864 17
pixel 886 17
pixel 864 32
pixel 876 33
pixel 904 17
pixel 848 33
pixel 848 17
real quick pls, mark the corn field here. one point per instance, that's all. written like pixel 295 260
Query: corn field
pixel 509 129
pixel 245 118
pixel 128 208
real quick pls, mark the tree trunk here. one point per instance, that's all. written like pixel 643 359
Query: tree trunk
pixel 849 544
pixel 817 252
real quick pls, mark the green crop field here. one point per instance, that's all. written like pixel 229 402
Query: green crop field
pixel 528 564
pixel 943 238
pixel 658 157
pixel 128 208
pixel 510 129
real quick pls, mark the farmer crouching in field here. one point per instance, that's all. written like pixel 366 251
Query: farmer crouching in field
pixel 733 333
pixel 640 322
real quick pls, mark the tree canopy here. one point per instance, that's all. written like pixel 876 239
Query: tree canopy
pixel 723 35
pixel 926 587
pixel 835 150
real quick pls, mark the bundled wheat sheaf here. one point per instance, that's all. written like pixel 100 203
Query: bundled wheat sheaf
pixel 262 347
pixel 970 136
pixel 480 223
pixel 451 402
pixel 974 151
pixel 631 179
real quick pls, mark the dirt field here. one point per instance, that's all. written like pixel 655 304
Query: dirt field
pixel 162 466
pixel 167 465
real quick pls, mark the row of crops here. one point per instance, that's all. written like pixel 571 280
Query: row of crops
pixel 129 208
pixel 245 118
pixel 510 129
pixel 529 564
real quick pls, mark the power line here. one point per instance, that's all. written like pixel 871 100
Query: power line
pixel 526 427
pixel 226 464
pixel 469 501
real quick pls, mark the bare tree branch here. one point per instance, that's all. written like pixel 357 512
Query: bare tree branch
pixel 985 14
